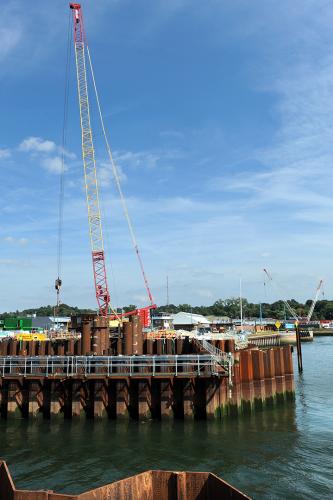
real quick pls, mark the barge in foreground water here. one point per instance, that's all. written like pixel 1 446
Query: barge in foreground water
pixel 150 485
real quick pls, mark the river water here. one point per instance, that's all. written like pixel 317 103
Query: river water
pixel 285 452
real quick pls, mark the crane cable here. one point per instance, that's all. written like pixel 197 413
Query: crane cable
pixel 58 281
pixel 117 180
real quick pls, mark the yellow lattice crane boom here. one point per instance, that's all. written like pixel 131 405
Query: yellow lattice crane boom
pixel 89 164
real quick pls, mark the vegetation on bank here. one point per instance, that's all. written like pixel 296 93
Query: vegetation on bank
pixel 227 307
pixel 231 309
pixel 63 310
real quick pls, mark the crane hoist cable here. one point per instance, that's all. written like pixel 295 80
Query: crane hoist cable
pixel 118 184
pixel 58 281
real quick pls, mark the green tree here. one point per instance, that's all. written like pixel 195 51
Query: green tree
pixel 129 308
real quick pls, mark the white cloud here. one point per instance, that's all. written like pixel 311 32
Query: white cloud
pixel 44 150
pixel 295 172
pixel 53 164
pixel 8 262
pixel 37 145
pixel 172 134
pixel 141 159
pixel 16 241
pixel 5 153
pixel 66 153
pixel 10 36
pixel 139 298
pixel 105 174
pixel 205 293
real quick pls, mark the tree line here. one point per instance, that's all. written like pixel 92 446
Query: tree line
pixel 231 309
pixel 222 307
pixel 63 310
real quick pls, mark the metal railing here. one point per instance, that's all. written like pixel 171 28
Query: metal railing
pixel 266 340
pixel 224 359
pixel 108 366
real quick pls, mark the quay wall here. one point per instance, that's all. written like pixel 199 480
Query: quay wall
pixel 259 378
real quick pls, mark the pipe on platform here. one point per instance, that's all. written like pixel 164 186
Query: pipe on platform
pixel 85 337
pixel 128 338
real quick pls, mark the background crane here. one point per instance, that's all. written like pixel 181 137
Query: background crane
pixel 314 302
pixel 288 306
pixel 292 310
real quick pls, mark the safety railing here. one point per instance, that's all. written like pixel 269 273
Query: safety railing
pixel 223 359
pixel 108 366
pixel 265 340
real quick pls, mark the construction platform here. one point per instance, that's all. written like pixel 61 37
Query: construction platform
pixel 188 386
pixel 126 374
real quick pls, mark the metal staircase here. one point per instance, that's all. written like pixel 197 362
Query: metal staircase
pixel 224 360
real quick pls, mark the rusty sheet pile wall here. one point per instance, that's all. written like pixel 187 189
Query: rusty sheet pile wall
pixel 150 485
pixel 258 378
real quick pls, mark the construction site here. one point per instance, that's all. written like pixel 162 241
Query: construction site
pixel 132 375
pixel 113 365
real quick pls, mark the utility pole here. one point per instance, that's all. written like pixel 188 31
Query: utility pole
pixel 241 303
pixel 167 290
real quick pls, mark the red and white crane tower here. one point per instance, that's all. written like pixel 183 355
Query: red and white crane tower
pixel 91 179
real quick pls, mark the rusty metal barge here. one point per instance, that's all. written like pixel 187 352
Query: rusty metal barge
pixel 149 485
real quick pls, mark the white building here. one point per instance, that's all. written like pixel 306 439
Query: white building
pixel 189 321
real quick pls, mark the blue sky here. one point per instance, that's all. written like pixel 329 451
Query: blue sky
pixel 220 116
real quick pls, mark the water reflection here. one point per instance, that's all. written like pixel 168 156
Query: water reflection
pixel 66 454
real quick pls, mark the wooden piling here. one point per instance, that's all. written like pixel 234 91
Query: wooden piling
pixel 299 349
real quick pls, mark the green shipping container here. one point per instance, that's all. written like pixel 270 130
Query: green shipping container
pixel 11 323
pixel 25 323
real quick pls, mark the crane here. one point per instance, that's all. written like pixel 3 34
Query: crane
pixel 314 302
pixel 89 165
pixel 286 303
pixel 91 182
